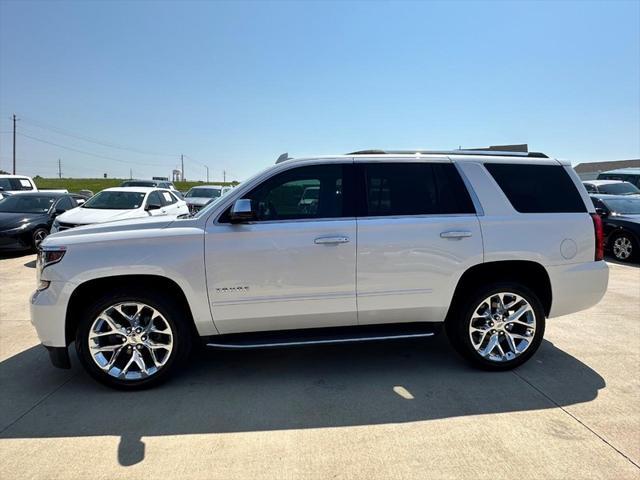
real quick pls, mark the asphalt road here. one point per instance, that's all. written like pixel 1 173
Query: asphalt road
pixel 395 410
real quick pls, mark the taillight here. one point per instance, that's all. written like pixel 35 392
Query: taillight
pixel 597 228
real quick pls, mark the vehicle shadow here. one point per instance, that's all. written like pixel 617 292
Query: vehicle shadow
pixel 336 386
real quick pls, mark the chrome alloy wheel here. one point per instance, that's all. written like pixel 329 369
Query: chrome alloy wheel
pixel 502 327
pixel 130 341
pixel 622 248
pixel 38 237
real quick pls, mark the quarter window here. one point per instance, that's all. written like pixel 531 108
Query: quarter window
pixel 537 188
pixel 415 189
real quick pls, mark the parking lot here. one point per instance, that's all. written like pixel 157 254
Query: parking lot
pixel 396 410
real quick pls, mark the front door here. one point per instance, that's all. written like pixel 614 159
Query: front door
pixel 293 266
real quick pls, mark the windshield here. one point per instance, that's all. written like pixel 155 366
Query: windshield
pixel 623 206
pixel 114 200
pixel 26 204
pixel 204 193
pixel 139 183
pixel 622 188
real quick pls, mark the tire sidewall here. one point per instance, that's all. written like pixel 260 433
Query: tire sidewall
pixel 170 311
pixel 458 325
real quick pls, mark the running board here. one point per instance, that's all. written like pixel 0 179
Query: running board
pixel 323 336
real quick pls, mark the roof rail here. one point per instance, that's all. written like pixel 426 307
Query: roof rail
pixel 521 150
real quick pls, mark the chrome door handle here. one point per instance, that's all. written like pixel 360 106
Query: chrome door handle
pixel 330 240
pixel 456 234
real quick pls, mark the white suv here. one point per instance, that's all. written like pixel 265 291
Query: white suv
pixel 397 245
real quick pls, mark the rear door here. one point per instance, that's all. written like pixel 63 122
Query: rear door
pixel 417 233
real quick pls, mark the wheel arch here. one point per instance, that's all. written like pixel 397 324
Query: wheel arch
pixel 530 274
pixel 84 292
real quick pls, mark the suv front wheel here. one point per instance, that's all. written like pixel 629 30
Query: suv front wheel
pixel 131 341
pixel 498 327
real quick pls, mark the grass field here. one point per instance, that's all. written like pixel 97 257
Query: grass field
pixel 97 184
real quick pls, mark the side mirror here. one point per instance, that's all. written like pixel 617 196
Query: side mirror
pixel 152 206
pixel 601 211
pixel 241 211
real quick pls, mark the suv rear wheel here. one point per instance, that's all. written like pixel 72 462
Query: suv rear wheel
pixel 132 341
pixel 498 327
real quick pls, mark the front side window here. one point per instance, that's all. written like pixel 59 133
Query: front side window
pixel 301 193
pixel 167 198
pixel 415 189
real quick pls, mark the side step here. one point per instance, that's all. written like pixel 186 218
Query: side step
pixel 320 336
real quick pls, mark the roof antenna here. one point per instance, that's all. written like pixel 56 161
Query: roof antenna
pixel 283 158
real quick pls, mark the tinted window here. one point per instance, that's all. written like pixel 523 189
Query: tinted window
pixel 537 188
pixel 155 199
pixel 13 183
pixel 414 189
pixel 65 203
pixel 301 193
pixel 167 198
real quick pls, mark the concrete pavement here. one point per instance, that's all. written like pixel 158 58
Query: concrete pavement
pixel 395 410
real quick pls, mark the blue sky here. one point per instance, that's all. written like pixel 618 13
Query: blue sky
pixel 233 85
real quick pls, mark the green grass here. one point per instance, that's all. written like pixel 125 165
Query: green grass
pixel 97 184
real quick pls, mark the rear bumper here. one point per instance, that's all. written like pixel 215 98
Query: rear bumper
pixel 577 287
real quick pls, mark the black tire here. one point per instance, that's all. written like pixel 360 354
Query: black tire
pixel 173 313
pixel 37 236
pixel 457 324
pixel 617 253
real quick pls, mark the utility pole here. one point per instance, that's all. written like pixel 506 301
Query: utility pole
pixel 182 162
pixel 131 174
pixel 59 168
pixel 207 173
pixel 14 143
pixel 224 176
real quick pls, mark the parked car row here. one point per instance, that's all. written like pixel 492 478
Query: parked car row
pixel 621 222
pixel 32 214
pixel 26 217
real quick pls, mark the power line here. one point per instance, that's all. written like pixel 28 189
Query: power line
pixel 89 153
pixel 85 138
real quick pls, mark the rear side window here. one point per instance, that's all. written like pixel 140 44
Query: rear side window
pixel 537 188
pixel 414 189
pixel 15 184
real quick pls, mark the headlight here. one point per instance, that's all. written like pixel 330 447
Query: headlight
pixel 56 226
pixel 50 255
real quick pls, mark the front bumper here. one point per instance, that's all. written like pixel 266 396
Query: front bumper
pixel 577 287
pixel 59 357
pixel 49 312
pixel 14 241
